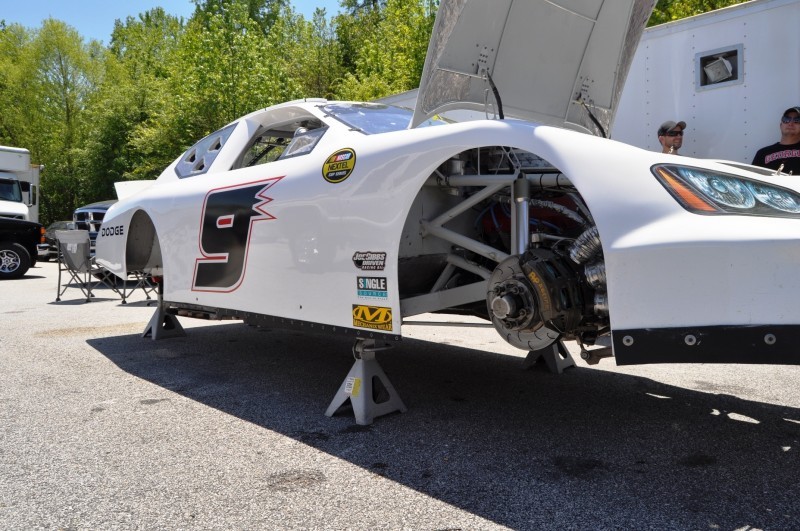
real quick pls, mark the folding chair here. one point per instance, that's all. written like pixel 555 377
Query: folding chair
pixel 74 258
pixel 142 281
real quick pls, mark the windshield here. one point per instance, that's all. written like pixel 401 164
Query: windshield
pixel 10 191
pixel 374 118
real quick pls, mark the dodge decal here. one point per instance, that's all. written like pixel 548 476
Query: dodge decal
pixel 227 219
pixel 118 230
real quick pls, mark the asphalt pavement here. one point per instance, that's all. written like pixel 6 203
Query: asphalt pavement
pixel 225 429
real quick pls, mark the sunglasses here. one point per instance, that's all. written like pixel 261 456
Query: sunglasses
pixel 674 133
pixel 788 120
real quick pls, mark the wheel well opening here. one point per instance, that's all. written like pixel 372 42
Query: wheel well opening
pixel 142 250
pixel 502 234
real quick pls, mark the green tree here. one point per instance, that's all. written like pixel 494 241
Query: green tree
pixel 671 10
pixel 312 55
pixel 134 89
pixel 49 76
pixel 264 12
pixel 224 67
pixel 386 45
pixel 14 41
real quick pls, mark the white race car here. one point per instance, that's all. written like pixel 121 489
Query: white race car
pixel 349 217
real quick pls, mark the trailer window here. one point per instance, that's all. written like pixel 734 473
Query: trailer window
pixel 719 68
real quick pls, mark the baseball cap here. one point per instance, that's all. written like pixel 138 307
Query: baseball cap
pixel 669 125
pixel 792 109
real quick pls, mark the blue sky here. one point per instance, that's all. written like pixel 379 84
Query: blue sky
pixel 94 19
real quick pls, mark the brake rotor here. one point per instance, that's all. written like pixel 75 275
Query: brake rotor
pixel 515 307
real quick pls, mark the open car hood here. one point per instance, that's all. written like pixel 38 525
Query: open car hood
pixel 558 62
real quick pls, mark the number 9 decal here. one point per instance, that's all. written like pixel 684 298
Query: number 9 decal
pixel 225 227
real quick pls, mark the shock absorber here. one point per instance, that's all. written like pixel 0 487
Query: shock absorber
pixel 520 212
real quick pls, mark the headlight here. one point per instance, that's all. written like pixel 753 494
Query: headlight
pixel 709 192
pixel 777 198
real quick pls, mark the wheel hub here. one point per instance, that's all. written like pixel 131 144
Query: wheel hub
pixel 513 303
pixel 9 261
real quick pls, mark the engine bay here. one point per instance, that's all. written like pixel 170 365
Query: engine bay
pixel 501 234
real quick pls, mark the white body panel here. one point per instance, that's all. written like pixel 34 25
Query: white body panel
pixel 728 121
pixel 666 266
pixel 128 188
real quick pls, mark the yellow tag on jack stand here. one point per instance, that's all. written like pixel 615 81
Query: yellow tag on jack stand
pixel 353 386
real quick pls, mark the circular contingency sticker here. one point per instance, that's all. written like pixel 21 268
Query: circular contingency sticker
pixel 339 166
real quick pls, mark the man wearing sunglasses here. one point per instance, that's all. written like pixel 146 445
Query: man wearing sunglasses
pixel 783 155
pixel 670 136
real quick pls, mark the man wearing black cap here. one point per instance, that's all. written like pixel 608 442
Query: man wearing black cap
pixel 670 136
pixel 783 155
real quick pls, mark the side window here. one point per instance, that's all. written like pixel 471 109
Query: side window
pixel 719 68
pixel 198 158
pixel 266 147
pixel 281 141
pixel 303 142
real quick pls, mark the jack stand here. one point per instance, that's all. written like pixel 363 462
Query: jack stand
pixel 556 356
pixel 163 325
pixel 370 392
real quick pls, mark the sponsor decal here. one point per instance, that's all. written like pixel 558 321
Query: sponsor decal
pixel 226 224
pixel 117 230
pixel 339 166
pixel 372 287
pixel 372 317
pixel 369 260
pixel 539 285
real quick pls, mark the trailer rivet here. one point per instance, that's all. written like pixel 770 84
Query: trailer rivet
pixel 770 339
pixel 627 341
pixel 690 340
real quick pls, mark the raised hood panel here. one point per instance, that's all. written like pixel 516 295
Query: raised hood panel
pixel 551 60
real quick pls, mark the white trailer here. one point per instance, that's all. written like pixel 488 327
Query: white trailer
pixel 19 184
pixel 728 73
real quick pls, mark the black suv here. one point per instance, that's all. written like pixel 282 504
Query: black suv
pixel 18 241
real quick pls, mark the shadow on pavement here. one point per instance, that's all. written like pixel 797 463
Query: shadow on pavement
pixel 524 449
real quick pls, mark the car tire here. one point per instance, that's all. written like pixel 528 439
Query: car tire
pixel 14 260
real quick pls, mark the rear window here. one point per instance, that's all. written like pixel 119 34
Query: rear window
pixel 198 158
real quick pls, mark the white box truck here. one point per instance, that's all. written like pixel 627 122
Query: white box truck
pixel 729 74
pixel 19 184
